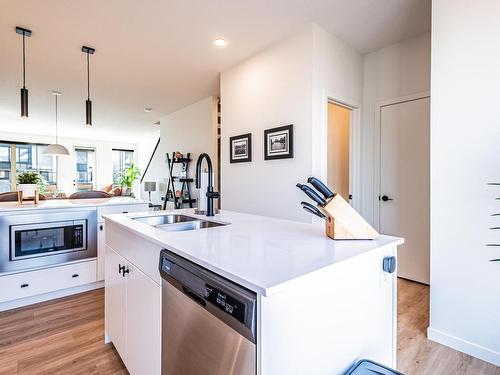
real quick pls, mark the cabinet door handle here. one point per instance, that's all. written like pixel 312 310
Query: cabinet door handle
pixel 25 285
pixel 121 268
pixel 75 275
pixel 125 271
pixel 101 227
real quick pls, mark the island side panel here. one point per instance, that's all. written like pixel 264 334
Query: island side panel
pixel 330 319
pixel 141 252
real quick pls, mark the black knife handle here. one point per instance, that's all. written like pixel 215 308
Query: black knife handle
pixel 312 194
pixel 314 212
pixel 321 187
pixel 309 207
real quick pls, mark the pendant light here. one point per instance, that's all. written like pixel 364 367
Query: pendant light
pixel 24 91
pixel 56 148
pixel 88 104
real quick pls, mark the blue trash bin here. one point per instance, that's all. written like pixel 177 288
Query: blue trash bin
pixel 367 367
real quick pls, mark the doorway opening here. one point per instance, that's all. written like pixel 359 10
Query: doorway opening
pixel 339 149
pixel 85 178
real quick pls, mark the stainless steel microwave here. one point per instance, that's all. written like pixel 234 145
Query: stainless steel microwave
pixel 30 241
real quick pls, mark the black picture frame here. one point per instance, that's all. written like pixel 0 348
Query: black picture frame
pixel 240 148
pixel 283 137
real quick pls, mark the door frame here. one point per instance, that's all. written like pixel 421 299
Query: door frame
pixel 378 140
pixel 354 145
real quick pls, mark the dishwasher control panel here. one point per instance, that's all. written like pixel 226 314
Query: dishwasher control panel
pixel 226 302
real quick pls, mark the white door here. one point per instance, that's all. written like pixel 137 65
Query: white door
pixel 116 302
pixel 404 183
pixel 143 324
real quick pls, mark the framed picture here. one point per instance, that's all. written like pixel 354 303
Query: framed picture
pixel 240 148
pixel 278 143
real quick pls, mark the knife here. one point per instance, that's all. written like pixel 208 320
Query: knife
pixel 312 194
pixel 310 208
pixel 321 187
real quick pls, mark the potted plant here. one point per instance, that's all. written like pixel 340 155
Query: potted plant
pixel 28 182
pixel 127 178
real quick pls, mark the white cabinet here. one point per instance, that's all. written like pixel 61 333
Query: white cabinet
pixel 101 229
pixel 143 324
pixel 133 315
pixel 116 300
pixel 101 250
pixel 32 283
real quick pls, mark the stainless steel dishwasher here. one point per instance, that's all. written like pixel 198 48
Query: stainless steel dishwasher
pixel 208 323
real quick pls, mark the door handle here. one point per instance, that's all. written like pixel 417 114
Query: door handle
pixel 385 198
pixel 121 268
pixel 125 271
pixel 25 285
pixel 101 227
pixel 75 275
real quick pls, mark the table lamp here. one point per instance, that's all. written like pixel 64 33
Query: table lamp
pixel 149 187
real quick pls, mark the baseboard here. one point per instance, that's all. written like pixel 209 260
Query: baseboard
pixel 464 346
pixel 48 296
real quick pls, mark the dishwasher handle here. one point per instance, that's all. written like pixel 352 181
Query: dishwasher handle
pixel 194 296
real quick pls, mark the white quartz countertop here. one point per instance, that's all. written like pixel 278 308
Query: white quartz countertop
pixel 261 253
pixel 68 203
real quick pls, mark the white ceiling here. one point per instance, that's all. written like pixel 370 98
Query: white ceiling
pixel 159 53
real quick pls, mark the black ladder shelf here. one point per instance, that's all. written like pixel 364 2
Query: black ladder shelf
pixel 184 181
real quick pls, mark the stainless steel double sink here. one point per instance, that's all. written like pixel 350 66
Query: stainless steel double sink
pixel 177 222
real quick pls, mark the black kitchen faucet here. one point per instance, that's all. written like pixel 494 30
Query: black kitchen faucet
pixel 211 194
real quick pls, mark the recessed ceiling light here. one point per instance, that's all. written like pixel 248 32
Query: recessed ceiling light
pixel 220 42
pixel 147 109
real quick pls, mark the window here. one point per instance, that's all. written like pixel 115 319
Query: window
pixel 121 159
pixel 4 167
pixel 28 157
pixel 85 168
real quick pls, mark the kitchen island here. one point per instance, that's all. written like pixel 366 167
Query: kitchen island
pixel 54 248
pixel 321 304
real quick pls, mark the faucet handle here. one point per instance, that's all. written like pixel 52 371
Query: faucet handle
pixel 213 194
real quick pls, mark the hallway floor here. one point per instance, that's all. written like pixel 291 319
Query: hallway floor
pixel 419 356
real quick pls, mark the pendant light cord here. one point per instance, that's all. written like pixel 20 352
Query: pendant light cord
pixel 56 121
pixel 24 61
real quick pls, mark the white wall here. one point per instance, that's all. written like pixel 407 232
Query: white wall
pixel 283 85
pixel 66 165
pixel 191 129
pixel 338 75
pixel 270 89
pixel 465 144
pixel 395 71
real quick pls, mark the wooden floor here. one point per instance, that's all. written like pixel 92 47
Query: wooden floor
pixel 419 356
pixel 65 336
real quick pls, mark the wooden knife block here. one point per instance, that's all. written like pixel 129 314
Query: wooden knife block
pixel 344 222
